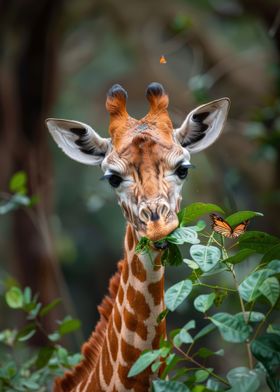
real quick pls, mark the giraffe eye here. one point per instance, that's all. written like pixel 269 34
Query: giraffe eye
pixel 182 171
pixel 115 180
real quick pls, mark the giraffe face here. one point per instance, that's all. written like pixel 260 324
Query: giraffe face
pixel 147 176
pixel 146 161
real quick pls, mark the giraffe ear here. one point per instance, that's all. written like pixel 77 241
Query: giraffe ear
pixel 203 125
pixel 78 140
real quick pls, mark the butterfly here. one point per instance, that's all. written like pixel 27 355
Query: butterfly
pixel 222 227
pixel 162 60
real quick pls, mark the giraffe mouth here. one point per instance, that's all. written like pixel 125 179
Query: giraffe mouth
pixel 157 230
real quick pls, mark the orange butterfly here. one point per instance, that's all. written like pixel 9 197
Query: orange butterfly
pixel 222 227
pixel 162 60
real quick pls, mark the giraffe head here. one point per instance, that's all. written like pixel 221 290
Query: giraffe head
pixel 146 161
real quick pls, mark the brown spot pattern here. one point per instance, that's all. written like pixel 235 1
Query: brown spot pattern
pixel 138 303
pixel 117 319
pixel 107 368
pixel 129 238
pixel 125 271
pixel 123 372
pixel 156 290
pixel 120 295
pixel 135 325
pixel 138 269
pixel 113 339
pixel 129 353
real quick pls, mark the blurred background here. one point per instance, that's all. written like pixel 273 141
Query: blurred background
pixel 58 59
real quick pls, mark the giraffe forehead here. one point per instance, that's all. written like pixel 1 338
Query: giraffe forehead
pixel 145 155
pixel 125 130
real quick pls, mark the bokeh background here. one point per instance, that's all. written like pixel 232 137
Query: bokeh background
pixel 59 58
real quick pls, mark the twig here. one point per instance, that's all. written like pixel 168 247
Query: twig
pixel 190 359
pixel 247 343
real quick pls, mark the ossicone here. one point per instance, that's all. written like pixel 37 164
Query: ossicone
pixel 116 100
pixel 157 97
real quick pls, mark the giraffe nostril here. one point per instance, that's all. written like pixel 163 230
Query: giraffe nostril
pixel 154 216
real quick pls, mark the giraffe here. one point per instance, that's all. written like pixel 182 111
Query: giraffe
pixel 146 161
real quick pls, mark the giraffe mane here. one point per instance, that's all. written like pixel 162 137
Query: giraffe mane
pixel 92 348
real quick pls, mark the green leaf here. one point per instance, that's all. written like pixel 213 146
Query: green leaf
pixel 177 293
pixel 231 328
pixel 44 355
pixel 18 182
pixel 31 385
pixel 14 298
pixel 155 366
pixel 243 379
pixel 205 256
pixel 204 301
pixel 214 385
pixel 190 325
pixel 259 241
pixel 255 317
pixel 172 256
pixel 199 226
pixel 54 337
pixel 205 331
pixel 274 265
pixel 191 264
pixel 249 288
pixel 241 216
pixel 193 211
pixel 169 386
pixel 143 245
pixel 270 288
pixel 162 315
pixel 27 295
pixel 202 375
pixel 204 352
pixel 185 337
pixel 273 329
pixel 171 362
pixel 69 325
pixel 46 309
pixel 144 361
pixel 272 254
pixel 266 349
pixel 239 256
pixel 26 333
pixel 183 235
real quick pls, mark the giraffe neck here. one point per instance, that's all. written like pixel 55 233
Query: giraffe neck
pixel 128 325
pixel 133 324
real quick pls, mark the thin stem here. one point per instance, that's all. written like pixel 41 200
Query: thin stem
pixel 213 238
pixel 247 343
pixel 262 323
pixel 224 251
pixel 211 286
pixel 192 360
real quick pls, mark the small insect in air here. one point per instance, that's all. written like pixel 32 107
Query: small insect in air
pixel 162 60
pixel 222 227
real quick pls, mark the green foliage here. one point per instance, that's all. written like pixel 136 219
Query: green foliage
pixel 25 369
pixel 18 196
pixel 209 256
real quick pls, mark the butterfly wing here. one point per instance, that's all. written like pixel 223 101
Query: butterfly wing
pixel 221 226
pixel 240 229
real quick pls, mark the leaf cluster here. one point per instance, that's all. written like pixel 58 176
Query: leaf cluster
pixel 25 369
pixel 211 256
